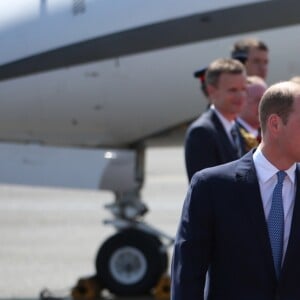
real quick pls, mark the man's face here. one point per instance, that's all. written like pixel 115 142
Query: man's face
pixel 229 95
pixel 289 135
pixel 250 110
pixel 257 63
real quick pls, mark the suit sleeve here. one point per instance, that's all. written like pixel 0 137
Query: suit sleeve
pixel 193 244
pixel 200 150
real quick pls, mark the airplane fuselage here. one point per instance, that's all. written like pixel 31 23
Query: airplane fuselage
pixel 97 73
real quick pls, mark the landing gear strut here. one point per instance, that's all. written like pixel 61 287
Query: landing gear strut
pixel 132 261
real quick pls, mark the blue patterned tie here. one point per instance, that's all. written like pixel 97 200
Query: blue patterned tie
pixel 276 223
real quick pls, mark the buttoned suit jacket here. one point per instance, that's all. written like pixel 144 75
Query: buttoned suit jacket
pixel 207 144
pixel 223 229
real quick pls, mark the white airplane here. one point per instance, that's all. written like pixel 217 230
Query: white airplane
pixel 85 84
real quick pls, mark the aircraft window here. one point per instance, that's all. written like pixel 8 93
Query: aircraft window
pixel 78 7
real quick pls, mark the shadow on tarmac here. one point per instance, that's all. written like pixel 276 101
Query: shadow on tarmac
pixel 102 298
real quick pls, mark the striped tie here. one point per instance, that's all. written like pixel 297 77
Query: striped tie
pixel 276 223
pixel 236 140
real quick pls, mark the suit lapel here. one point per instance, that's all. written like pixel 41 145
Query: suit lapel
pixel 293 247
pixel 249 193
pixel 223 138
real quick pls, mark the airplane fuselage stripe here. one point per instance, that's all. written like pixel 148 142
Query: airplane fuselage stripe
pixel 194 28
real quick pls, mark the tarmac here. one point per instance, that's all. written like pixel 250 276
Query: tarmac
pixel 50 237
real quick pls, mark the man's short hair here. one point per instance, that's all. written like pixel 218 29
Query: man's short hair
pixel 251 80
pixel 254 81
pixel 295 79
pixel 242 47
pixel 220 66
pixel 278 99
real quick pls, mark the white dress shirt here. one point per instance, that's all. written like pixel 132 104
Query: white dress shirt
pixel 267 180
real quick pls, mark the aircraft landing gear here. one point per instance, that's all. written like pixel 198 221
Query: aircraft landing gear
pixel 131 262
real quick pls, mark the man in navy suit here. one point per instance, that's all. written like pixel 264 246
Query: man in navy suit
pixel 226 224
pixel 209 141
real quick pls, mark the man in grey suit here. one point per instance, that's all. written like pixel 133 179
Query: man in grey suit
pixel 210 140
pixel 241 220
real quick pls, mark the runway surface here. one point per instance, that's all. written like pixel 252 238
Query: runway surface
pixel 49 237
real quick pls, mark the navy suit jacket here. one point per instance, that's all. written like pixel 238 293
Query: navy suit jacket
pixel 207 144
pixel 223 230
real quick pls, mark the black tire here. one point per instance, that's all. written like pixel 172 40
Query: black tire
pixel 131 262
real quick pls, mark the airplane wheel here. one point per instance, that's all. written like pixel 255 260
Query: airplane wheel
pixel 131 262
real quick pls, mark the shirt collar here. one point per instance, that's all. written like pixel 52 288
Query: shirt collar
pixel 265 170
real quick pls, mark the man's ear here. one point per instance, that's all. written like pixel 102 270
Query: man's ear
pixel 274 124
pixel 211 89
